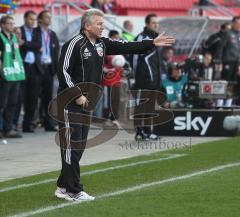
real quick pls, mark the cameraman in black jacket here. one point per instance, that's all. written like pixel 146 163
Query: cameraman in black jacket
pixel 82 60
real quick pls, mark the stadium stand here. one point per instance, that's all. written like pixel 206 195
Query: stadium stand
pixel 141 7
pixel 134 7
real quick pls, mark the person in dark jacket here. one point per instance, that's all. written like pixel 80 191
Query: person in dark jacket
pixel 214 41
pixel 31 51
pixel 147 74
pixel 228 55
pixel 166 58
pixel 98 4
pixel 228 52
pixel 81 60
pixel 49 61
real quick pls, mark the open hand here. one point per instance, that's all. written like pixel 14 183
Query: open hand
pixel 163 40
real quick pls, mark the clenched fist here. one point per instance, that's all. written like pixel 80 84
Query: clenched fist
pixel 82 101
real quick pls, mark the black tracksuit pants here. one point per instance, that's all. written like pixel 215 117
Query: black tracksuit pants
pixel 144 111
pixel 70 173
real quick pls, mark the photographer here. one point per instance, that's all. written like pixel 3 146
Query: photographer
pixel 200 68
pixel 172 85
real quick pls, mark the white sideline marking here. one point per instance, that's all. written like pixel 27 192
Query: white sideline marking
pixel 173 156
pixel 130 189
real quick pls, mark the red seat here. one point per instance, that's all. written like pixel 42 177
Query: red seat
pixel 161 7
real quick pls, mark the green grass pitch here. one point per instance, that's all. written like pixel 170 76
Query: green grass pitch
pixel 141 186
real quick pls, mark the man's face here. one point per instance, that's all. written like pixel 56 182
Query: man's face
pixel 8 26
pixel 176 74
pixel 129 26
pixel 18 33
pixel 207 59
pixel 46 19
pixel 236 25
pixel 153 24
pixel 30 20
pixel 168 55
pixel 115 37
pixel 95 28
pixel 228 27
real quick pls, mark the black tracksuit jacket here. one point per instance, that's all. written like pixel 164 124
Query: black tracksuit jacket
pixel 147 66
pixel 81 61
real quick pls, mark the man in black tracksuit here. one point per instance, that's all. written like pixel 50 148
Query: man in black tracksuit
pixel 147 76
pixel 228 53
pixel 82 60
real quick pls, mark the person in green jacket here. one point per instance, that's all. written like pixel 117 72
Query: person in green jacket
pixel 11 73
pixel 127 35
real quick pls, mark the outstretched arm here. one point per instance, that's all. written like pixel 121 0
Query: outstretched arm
pixel 123 47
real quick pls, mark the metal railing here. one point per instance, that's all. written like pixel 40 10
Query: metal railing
pixel 58 6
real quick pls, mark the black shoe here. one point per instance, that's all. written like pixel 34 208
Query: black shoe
pixel 1 135
pixel 141 136
pixel 12 134
pixel 27 130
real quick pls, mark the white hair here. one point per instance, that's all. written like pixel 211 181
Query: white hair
pixel 87 16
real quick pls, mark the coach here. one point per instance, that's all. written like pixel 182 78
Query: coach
pixel 81 60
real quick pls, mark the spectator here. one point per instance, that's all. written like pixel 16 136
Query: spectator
pixel 203 2
pixel 228 54
pixel 108 6
pixel 12 72
pixel 111 83
pixel 49 61
pixel 166 58
pixel 98 4
pixel 173 85
pixel 147 75
pixel 213 42
pixel 204 70
pixel 31 52
pixel 126 35
pixel 18 33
